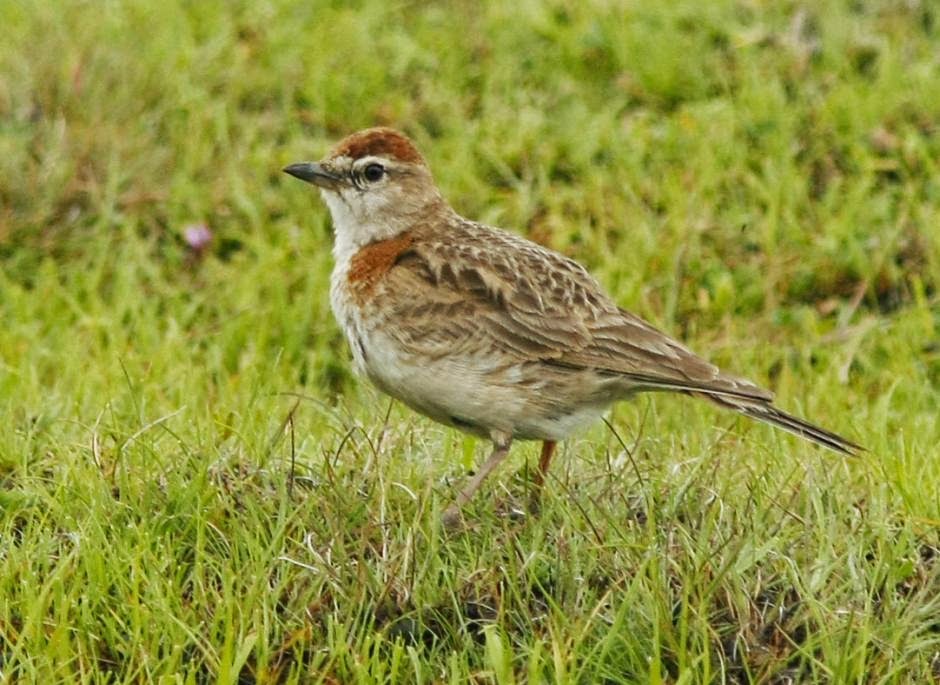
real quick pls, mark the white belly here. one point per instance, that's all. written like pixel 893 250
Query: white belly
pixel 464 393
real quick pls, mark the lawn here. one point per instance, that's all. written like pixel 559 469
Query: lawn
pixel 194 487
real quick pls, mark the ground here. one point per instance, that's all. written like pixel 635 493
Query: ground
pixel 193 485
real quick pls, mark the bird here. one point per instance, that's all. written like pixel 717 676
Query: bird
pixel 485 331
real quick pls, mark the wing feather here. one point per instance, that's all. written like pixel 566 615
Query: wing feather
pixel 487 292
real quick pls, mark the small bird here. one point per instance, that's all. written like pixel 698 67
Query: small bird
pixel 482 330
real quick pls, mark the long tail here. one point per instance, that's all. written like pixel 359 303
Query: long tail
pixel 766 412
pixel 744 397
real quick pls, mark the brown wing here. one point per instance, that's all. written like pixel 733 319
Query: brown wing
pixel 623 343
pixel 449 298
pixel 487 293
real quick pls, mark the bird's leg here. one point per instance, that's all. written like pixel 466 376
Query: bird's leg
pixel 545 459
pixel 501 444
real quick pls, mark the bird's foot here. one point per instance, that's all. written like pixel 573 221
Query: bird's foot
pixel 453 520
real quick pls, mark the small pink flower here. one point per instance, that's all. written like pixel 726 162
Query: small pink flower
pixel 197 237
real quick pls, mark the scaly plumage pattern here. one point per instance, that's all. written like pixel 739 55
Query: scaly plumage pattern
pixel 484 330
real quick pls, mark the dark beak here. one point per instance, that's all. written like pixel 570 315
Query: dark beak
pixel 314 173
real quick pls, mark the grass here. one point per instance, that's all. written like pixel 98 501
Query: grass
pixel 195 488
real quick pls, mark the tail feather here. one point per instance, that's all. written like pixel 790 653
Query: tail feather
pixel 768 413
pixel 745 398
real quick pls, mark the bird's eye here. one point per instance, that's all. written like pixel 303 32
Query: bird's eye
pixel 373 172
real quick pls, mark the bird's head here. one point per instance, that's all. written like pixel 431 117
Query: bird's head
pixel 376 185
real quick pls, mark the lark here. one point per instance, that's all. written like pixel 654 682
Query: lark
pixel 485 331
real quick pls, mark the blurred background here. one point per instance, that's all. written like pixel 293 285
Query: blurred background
pixel 758 178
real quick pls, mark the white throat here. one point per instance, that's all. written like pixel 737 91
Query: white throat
pixel 353 229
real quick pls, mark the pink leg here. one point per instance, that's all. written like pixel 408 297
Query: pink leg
pixel 501 444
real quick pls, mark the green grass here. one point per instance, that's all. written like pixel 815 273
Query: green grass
pixel 761 179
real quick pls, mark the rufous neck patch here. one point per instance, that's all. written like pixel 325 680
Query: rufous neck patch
pixel 373 261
